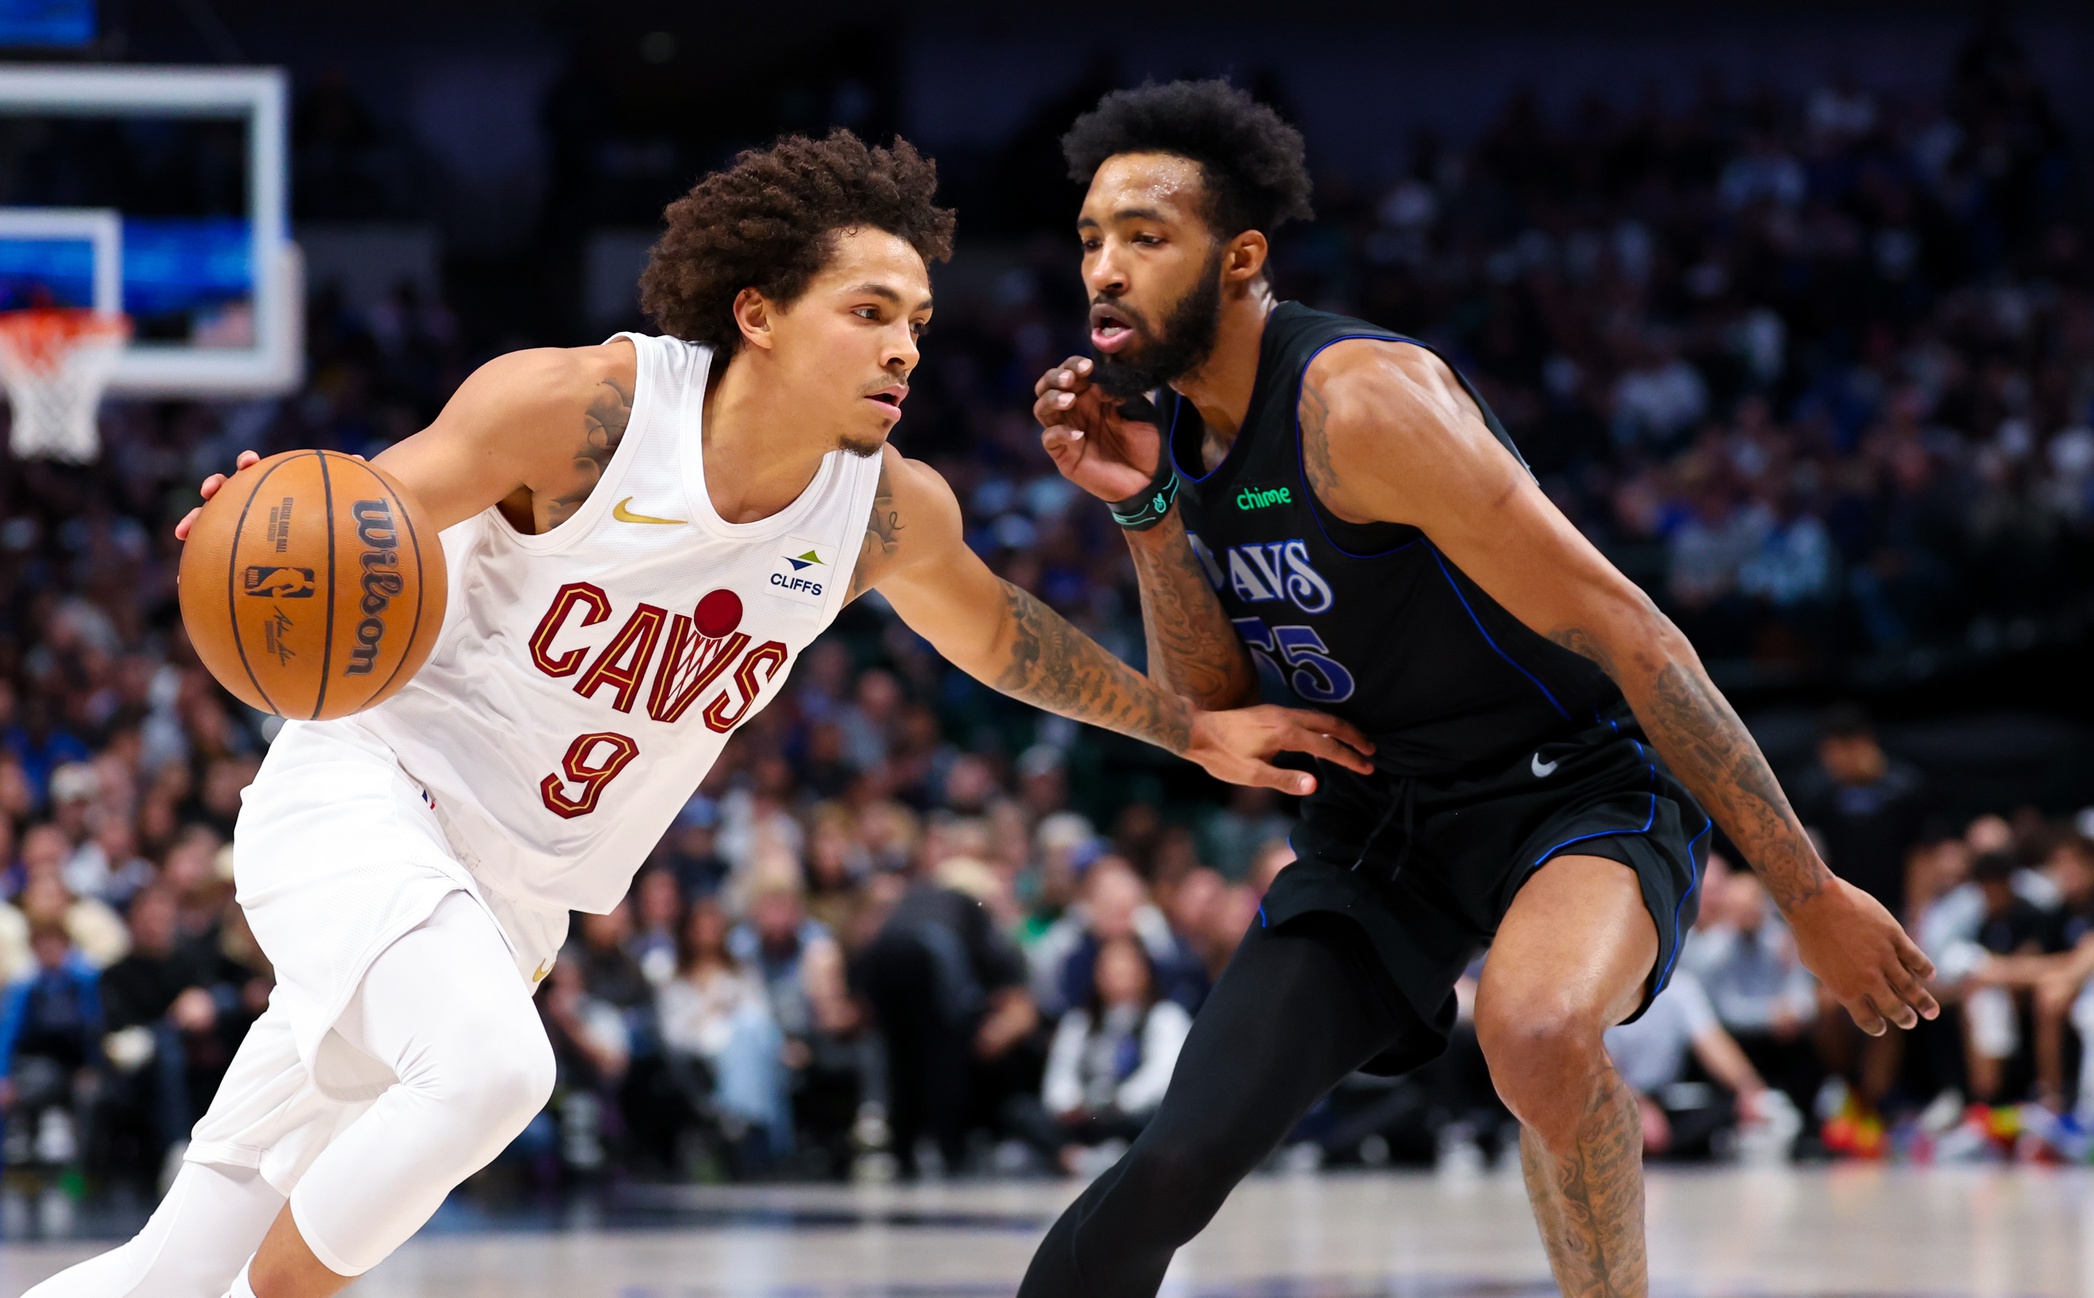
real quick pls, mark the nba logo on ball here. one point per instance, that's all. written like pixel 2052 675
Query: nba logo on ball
pixel 277 582
pixel 802 571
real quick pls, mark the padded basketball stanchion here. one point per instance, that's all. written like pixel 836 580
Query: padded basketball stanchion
pixel 55 363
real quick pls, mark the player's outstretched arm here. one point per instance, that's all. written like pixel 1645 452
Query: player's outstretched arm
pixel 532 429
pixel 915 555
pixel 1389 435
pixel 1193 649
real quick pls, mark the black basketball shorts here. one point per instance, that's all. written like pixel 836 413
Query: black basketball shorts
pixel 1428 867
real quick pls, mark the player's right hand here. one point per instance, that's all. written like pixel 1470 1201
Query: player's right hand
pixel 1090 441
pixel 1863 957
pixel 1236 745
pixel 210 488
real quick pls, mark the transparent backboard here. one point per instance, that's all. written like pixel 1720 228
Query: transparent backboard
pixel 160 192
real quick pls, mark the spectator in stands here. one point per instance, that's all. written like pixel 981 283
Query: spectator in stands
pixel 948 994
pixel 657 904
pixel 2009 926
pixel 688 851
pixel 1116 904
pixel 190 871
pixel 1867 811
pixel 716 1024
pixel 773 941
pixel 168 1012
pixel 1064 846
pixel 1867 807
pixel 108 866
pixel 95 929
pixel 50 1039
pixel 2057 980
pixel 838 861
pixel 1190 907
pixel 1109 1065
pixel 592 1049
pixel 1652 1054
pixel 609 971
pixel 1746 962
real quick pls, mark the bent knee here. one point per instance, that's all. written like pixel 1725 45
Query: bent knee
pixel 1180 1182
pixel 490 1084
pixel 517 1084
pixel 1541 1050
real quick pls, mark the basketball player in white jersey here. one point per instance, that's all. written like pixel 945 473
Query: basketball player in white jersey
pixel 642 537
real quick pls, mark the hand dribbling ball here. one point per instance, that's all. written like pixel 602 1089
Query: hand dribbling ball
pixel 312 586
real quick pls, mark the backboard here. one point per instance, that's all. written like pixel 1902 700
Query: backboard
pixel 159 191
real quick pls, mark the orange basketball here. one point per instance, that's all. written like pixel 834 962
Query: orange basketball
pixel 312 586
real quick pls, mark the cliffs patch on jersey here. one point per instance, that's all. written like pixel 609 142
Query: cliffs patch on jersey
pixel 802 571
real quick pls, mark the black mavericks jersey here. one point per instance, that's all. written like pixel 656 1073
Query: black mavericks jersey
pixel 1368 622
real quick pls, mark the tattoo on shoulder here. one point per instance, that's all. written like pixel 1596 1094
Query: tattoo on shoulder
pixel 1315 414
pixel 603 428
pixel 882 536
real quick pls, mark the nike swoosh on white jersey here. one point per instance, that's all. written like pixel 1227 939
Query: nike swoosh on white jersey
pixel 1543 770
pixel 624 515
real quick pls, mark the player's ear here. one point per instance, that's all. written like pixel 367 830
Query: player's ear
pixel 753 313
pixel 1243 260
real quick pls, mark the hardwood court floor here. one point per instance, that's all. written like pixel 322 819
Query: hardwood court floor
pixel 1849 1232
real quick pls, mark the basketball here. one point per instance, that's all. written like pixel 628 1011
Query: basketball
pixel 311 586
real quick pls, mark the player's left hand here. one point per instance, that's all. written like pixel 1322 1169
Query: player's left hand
pixel 1863 957
pixel 1236 745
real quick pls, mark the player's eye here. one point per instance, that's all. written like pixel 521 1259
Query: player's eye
pixel 867 312
pixel 1092 245
pixel 1149 240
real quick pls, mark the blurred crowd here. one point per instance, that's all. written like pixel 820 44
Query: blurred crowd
pixel 1817 371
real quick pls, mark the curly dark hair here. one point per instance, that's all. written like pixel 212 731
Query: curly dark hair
pixel 1250 158
pixel 768 223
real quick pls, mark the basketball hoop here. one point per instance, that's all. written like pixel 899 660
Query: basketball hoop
pixel 55 363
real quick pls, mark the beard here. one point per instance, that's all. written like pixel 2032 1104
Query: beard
pixel 863 448
pixel 1186 340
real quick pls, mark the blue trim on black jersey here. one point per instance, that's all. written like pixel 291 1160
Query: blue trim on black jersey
pixel 1456 586
pixel 1301 465
pixel 1693 882
pixel 1648 821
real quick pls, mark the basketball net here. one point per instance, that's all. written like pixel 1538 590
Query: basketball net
pixel 55 363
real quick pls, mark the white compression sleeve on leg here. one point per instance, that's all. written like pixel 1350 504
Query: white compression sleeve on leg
pixel 198 1240
pixel 445 1009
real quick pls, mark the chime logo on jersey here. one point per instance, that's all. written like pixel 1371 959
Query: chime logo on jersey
pixel 803 570
pixel 1277 570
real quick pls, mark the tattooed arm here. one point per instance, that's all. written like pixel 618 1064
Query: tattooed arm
pixel 1193 648
pixel 532 431
pixel 916 556
pixel 1389 435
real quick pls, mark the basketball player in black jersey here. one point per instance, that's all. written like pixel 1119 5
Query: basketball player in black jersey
pixel 1331 503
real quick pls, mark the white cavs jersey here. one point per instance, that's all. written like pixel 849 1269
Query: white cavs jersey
pixel 587 678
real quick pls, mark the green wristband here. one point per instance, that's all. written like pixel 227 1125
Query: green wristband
pixel 1140 513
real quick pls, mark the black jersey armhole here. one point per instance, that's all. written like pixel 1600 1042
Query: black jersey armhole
pixel 1353 540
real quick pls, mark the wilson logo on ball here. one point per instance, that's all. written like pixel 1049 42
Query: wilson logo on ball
pixel 381 580
pixel 277 582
